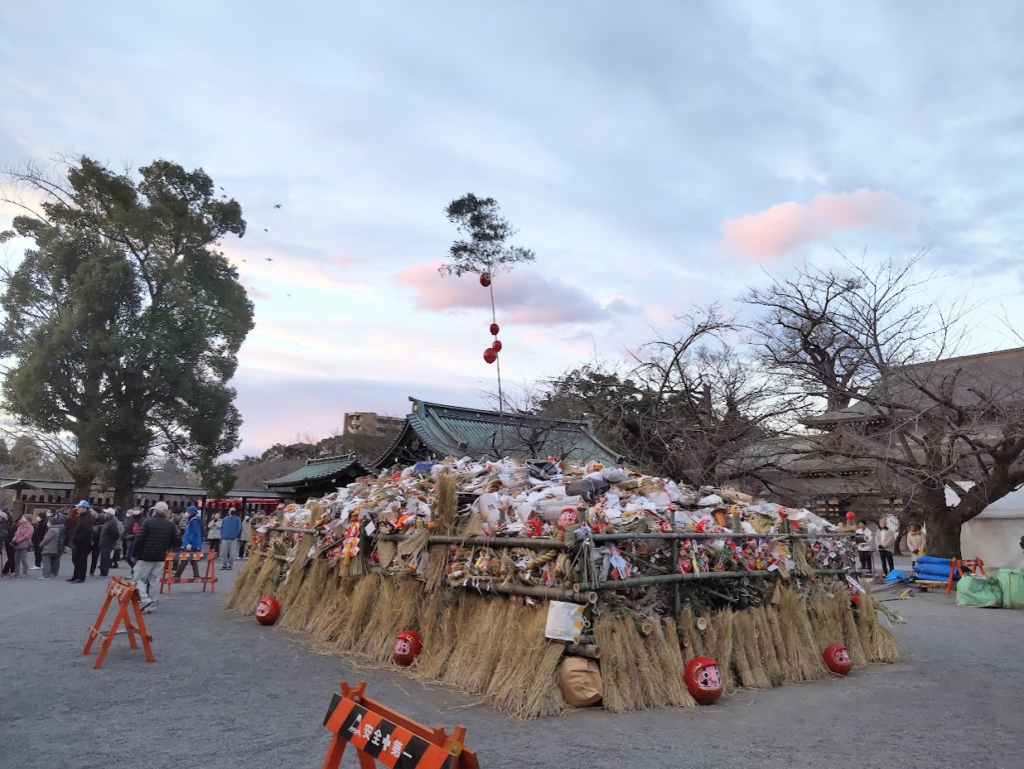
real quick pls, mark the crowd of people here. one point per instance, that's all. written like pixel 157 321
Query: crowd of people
pixel 100 540
pixel 883 541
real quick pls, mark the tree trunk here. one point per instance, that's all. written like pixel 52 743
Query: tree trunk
pixel 124 486
pixel 901 532
pixel 943 533
pixel 83 487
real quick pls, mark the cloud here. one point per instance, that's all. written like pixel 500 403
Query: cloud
pixel 787 227
pixel 524 297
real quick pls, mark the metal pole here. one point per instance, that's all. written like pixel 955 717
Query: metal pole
pixel 660 579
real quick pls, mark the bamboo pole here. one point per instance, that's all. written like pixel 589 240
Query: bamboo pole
pixel 483 585
pixel 659 579
pixel 696 535
pixel 535 543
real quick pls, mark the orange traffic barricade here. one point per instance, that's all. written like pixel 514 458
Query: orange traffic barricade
pixel 127 595
pixel 167 575
pixel 378 733
pixel 957 566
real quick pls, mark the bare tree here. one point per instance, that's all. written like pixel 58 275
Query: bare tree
pixel 682 405
pixel 941 431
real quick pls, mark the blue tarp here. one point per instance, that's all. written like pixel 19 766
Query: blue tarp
pixel 924 560
pixel 895 575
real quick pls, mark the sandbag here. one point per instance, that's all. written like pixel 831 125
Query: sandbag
pixel 979 591
pixel 1011 582
pixel 579 679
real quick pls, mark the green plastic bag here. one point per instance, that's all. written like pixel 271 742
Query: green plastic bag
pixel 979 591
pixel 1012 583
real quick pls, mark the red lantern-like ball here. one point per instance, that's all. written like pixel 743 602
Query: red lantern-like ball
pixel 850 516
pixel 485 279
pixel 837 659
pixel 703 680
pixel 490 355
pixel 268 610
pixel 783 514
pixel 408 646
pixel 494 329
pixel 533 528
pixel 496 346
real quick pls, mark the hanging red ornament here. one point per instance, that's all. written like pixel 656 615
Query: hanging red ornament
pixel 783 514
pixel 485 279
pixel 703 680
pixel 268 611
pixel 494 329
pixel 837 659
pixel 496 346
pixel 490 355
pixel 850 516
pixel 408 646
pixel 533 528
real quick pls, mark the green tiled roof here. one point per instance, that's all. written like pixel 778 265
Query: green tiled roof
pixel 433 428
pixel 321 469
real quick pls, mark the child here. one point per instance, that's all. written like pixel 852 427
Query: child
pixel 915 544
pixel 22 542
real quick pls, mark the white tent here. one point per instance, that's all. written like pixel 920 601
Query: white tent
pixel 995 535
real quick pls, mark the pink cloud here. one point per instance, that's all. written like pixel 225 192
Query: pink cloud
pixel 524 297
pixel 786 227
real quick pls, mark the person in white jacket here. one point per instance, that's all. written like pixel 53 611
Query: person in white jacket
pixel 886 539
pixel 866 547
pixel 915 543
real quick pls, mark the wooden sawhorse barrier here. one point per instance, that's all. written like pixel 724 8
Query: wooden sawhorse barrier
pixel 957 566
pixel 167 575
pixel 378 733
pixel 126 594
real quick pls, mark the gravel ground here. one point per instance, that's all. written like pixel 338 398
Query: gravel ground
pixel 226 692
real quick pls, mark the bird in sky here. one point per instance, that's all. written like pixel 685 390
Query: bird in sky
pixel 269 259
pixel 277 205
pixel 266 230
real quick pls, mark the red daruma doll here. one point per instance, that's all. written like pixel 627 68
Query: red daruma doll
pixel 703 680
pixel 408 646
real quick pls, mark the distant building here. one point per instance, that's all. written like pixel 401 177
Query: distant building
pixel 369 423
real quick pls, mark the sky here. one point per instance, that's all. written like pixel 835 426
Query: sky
pixel 656 156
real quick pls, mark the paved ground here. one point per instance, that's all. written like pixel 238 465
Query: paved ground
pixel 226 692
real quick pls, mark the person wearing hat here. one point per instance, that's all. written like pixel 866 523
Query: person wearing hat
pixel 156 536
pixel 109 534
pixel 191 541
pixel 81 543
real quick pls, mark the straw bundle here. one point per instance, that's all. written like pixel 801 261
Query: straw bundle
pixel 367 593
pixel 827 619
pixel 630 680
pixel 798 636
pixel 244 580
pixel 296 572
pixel 445 510
pixel 475 612
pixel 405 608
pixel 879 643
pixel 747 656
pixel 787 655
pixel 718 644
pixel 491 643
pixel 333 614
pixel 262 584
pixel 438 626
pixel 525 681
pixel 767 646
pixel 664 645
pixel 693 643
pixel 314 587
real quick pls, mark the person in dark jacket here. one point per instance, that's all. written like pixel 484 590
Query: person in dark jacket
pixel 109 534
pixel 156 536
pixel 98 518
pixel 7 528
pixel 37 540
pixel 81 542
pixel 191 541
